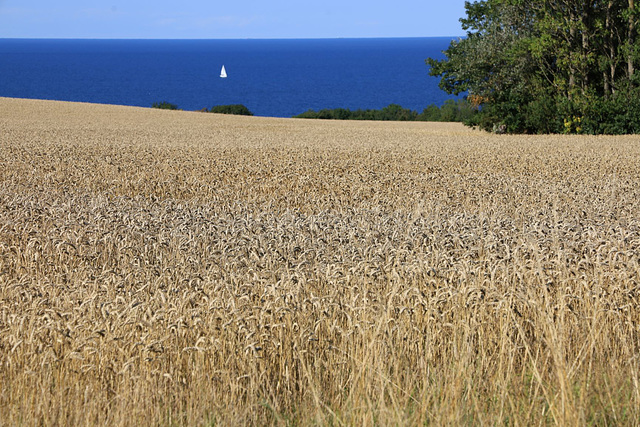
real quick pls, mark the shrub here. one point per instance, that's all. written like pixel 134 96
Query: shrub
pixel 542 117
pixel 449 111
pixel 452 111
pixel 164 105
pixel 309 114
pixel 431 114
pixel 620 114
pixel 237 109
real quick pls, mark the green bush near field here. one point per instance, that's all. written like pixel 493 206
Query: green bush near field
pixel 452 111
pixel 164 105
pixel 237 109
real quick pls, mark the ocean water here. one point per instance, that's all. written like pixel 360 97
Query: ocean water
pixel 277 78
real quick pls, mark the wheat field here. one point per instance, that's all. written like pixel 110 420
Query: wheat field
pixel 181 268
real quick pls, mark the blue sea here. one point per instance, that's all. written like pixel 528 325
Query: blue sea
pixel 279 78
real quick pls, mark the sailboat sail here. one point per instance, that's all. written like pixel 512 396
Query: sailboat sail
pixel 223 72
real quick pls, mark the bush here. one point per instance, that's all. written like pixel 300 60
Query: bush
pixel 542 117
pixel 618 115
pixel 449 111
pixel 453 111
pixel 396 112
pixel 431 114
pixel 237 109
pixel 309 114
pixel 164 105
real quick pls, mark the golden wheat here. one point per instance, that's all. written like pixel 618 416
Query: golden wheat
pixel 163 267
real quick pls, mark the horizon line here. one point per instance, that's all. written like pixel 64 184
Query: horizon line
pixel 229 38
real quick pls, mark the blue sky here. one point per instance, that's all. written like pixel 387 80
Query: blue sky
pixel 213 19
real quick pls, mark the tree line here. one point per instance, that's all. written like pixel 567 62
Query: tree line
pixel 453 110
pixel 237 109
pixel 547 66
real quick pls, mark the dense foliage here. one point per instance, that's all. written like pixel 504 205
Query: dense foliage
pixel 542 66
pixel 452 111
pixel 237 109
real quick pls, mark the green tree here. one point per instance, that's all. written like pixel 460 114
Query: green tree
pixel 532 66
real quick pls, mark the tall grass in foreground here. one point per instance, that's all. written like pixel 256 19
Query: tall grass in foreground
pixel 196 270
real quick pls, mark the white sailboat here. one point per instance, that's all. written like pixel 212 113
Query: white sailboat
pixel 223 72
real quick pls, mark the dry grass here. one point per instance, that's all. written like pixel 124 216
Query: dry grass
pixel 179 268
